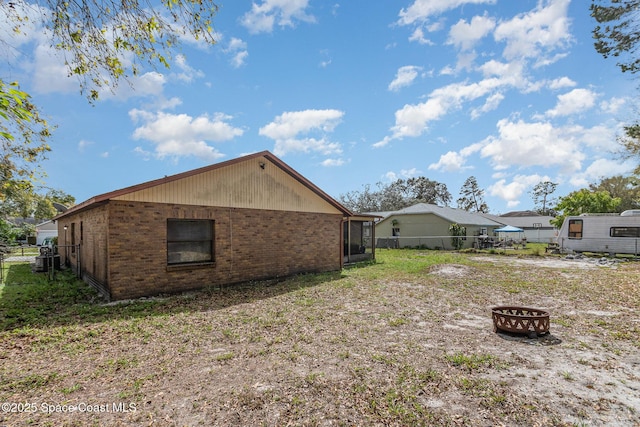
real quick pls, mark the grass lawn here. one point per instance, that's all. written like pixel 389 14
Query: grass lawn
pixel 407 340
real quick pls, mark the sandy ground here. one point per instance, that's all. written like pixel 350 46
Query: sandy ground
pixel 373 346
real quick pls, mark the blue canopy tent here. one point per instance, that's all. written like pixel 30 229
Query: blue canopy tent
pixel 508 230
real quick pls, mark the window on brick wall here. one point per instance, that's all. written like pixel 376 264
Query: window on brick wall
pixel 189 241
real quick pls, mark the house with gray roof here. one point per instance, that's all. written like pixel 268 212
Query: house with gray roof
pixel 427 225
pixel 536 227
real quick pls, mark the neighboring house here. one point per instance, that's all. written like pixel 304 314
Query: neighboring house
pixel 44 230
pixel 536 227
pixel 427 225
pixel 245 219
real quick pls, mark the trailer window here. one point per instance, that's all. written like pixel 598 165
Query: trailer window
pixel 624 231
pixel 575 229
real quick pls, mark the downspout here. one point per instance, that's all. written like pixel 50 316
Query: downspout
pixel 349 240
pixel 230 243
pixel 373 239
pixel 342 254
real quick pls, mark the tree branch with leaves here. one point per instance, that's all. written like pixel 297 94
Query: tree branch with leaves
pixel 618 31
pixel 584 201
pixel 104 41
pixel 23 135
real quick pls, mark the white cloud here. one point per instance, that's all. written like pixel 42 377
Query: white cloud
pixel 492 102
pixel 237 48
pixel 409 173
pixel 404 77
pixel 561 83
pixel 413 120
pixel 239 59
pixel 188 73
pixel 537 32
pixel 456 161
pixel 422 10
pixel 168 104
pixel 535 144
pixel 574 102
pixel 465 35
pixel 180 135
pixel 392 176
pixel 600 138
pixel 333 162
pixel 613 105
pixel 50 74
pixel 288 130
pixel 513 190
pixel 598 169
pixel 510 73
pixel 83 144
pixel 149 84
pixel 326 54
pixel 262 17
pixel 418 36
pixel 449 162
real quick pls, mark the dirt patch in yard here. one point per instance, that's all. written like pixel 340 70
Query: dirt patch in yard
pixel 406 341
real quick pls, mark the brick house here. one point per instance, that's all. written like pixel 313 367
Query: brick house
pixel 245 219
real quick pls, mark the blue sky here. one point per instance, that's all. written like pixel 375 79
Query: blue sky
pixel 353 93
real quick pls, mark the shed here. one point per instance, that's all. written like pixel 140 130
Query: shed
pixel 245 219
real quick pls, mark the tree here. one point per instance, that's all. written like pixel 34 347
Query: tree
pixel 8 234
pixel 584 201
pixel 541 193
pixel 59 196
pixel 627 189
pixel 103 42
pixel 18 199
pixel 617 33
pixel 23 135
pixel 472 197
pixel 396 195
pixel 457 231
pixel 424 190
pixel 630 141
pixel 365 201
pixel 44 209
pixel 23 201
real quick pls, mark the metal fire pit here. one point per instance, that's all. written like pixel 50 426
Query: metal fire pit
pixel 520 320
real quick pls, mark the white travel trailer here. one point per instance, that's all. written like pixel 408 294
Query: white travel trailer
pixel 601 233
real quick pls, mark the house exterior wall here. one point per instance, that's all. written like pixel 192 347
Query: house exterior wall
pixel 422 230
pixel 250 244
pixel 83 245
pixel 255 183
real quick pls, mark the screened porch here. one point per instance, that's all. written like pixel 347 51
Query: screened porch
pixel 359 238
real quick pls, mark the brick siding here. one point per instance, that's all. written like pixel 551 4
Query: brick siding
pixel 250 244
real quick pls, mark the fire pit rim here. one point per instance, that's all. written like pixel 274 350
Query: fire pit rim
pixel 529 321
pixel 539 311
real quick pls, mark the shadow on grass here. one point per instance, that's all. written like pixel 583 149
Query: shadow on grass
pixel 29 300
